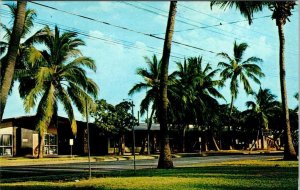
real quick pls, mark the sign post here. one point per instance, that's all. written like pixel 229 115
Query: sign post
pixel 200 145
pixel 71 142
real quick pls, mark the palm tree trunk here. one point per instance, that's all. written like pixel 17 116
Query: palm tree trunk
pixel 12 54
pixel 41 144
pixel 289 150
pixel 165 158
pixel 230 124
pixel 215 142
pixel 231 105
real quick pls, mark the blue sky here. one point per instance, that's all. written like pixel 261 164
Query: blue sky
pixel 117 63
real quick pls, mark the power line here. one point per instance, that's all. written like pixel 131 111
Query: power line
pixel 205 26
pixel 150 35
pixel 226 23
pixel 112 42
pixel 120 27
pixel 227 34
pixel 80 32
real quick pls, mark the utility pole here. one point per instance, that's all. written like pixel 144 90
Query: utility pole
pixel 133 136
pixel 148 134
pixel 88 139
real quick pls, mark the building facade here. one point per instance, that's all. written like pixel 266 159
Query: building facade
pixel 18 137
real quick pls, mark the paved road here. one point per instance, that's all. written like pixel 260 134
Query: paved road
pixel 60 169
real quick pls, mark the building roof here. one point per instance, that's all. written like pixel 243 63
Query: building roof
pixel 27 121
pixel 143 127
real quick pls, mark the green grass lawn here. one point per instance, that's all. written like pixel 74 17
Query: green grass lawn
pixel 239 175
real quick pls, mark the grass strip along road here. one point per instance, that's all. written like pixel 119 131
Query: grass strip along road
pixel 215 172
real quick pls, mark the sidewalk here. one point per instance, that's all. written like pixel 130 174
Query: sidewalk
pixel 62 159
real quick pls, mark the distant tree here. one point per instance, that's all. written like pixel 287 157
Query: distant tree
pixel 115 120
pixel 124 120
pixel 196 90
pixel 263 108
pixel 104 116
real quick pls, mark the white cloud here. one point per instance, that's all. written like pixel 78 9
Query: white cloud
pixel 104 6
pixel 259 47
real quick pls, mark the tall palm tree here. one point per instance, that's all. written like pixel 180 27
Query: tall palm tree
pixel 263 108
pixel 12 51
pixel 151 77
pixel 239 70
pixel 30 15
pixel 151 84
pixel 57 75
pixel 281 11
pixel 25 42
pixel 165 158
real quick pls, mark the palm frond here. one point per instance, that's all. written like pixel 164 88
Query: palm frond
pixel 67 105
pixel 225 56
pixel 137 88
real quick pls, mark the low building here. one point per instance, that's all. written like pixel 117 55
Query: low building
pixel 18 137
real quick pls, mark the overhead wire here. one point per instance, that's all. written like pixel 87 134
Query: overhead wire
pixel 224 22
pixel 114 42
pixel 111 41
pixel 205 26
pixel 120 27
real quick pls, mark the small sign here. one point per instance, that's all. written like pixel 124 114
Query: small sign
pixel 71 142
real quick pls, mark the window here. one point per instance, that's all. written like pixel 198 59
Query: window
pixel 50 144
pixel 5 144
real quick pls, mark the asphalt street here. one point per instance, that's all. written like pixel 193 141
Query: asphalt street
pixel 106 166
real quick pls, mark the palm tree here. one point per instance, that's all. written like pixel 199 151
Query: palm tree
pixel 239 70
pixel 151 79
pixel 12 52
pixel 56 75
pixel 281 11
pixel 30 15
pixel 151 84
pixel 24 45
pixel 263 108
pixel 196 90
pixel 181 106
pixel 165 158
pixel 206 94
